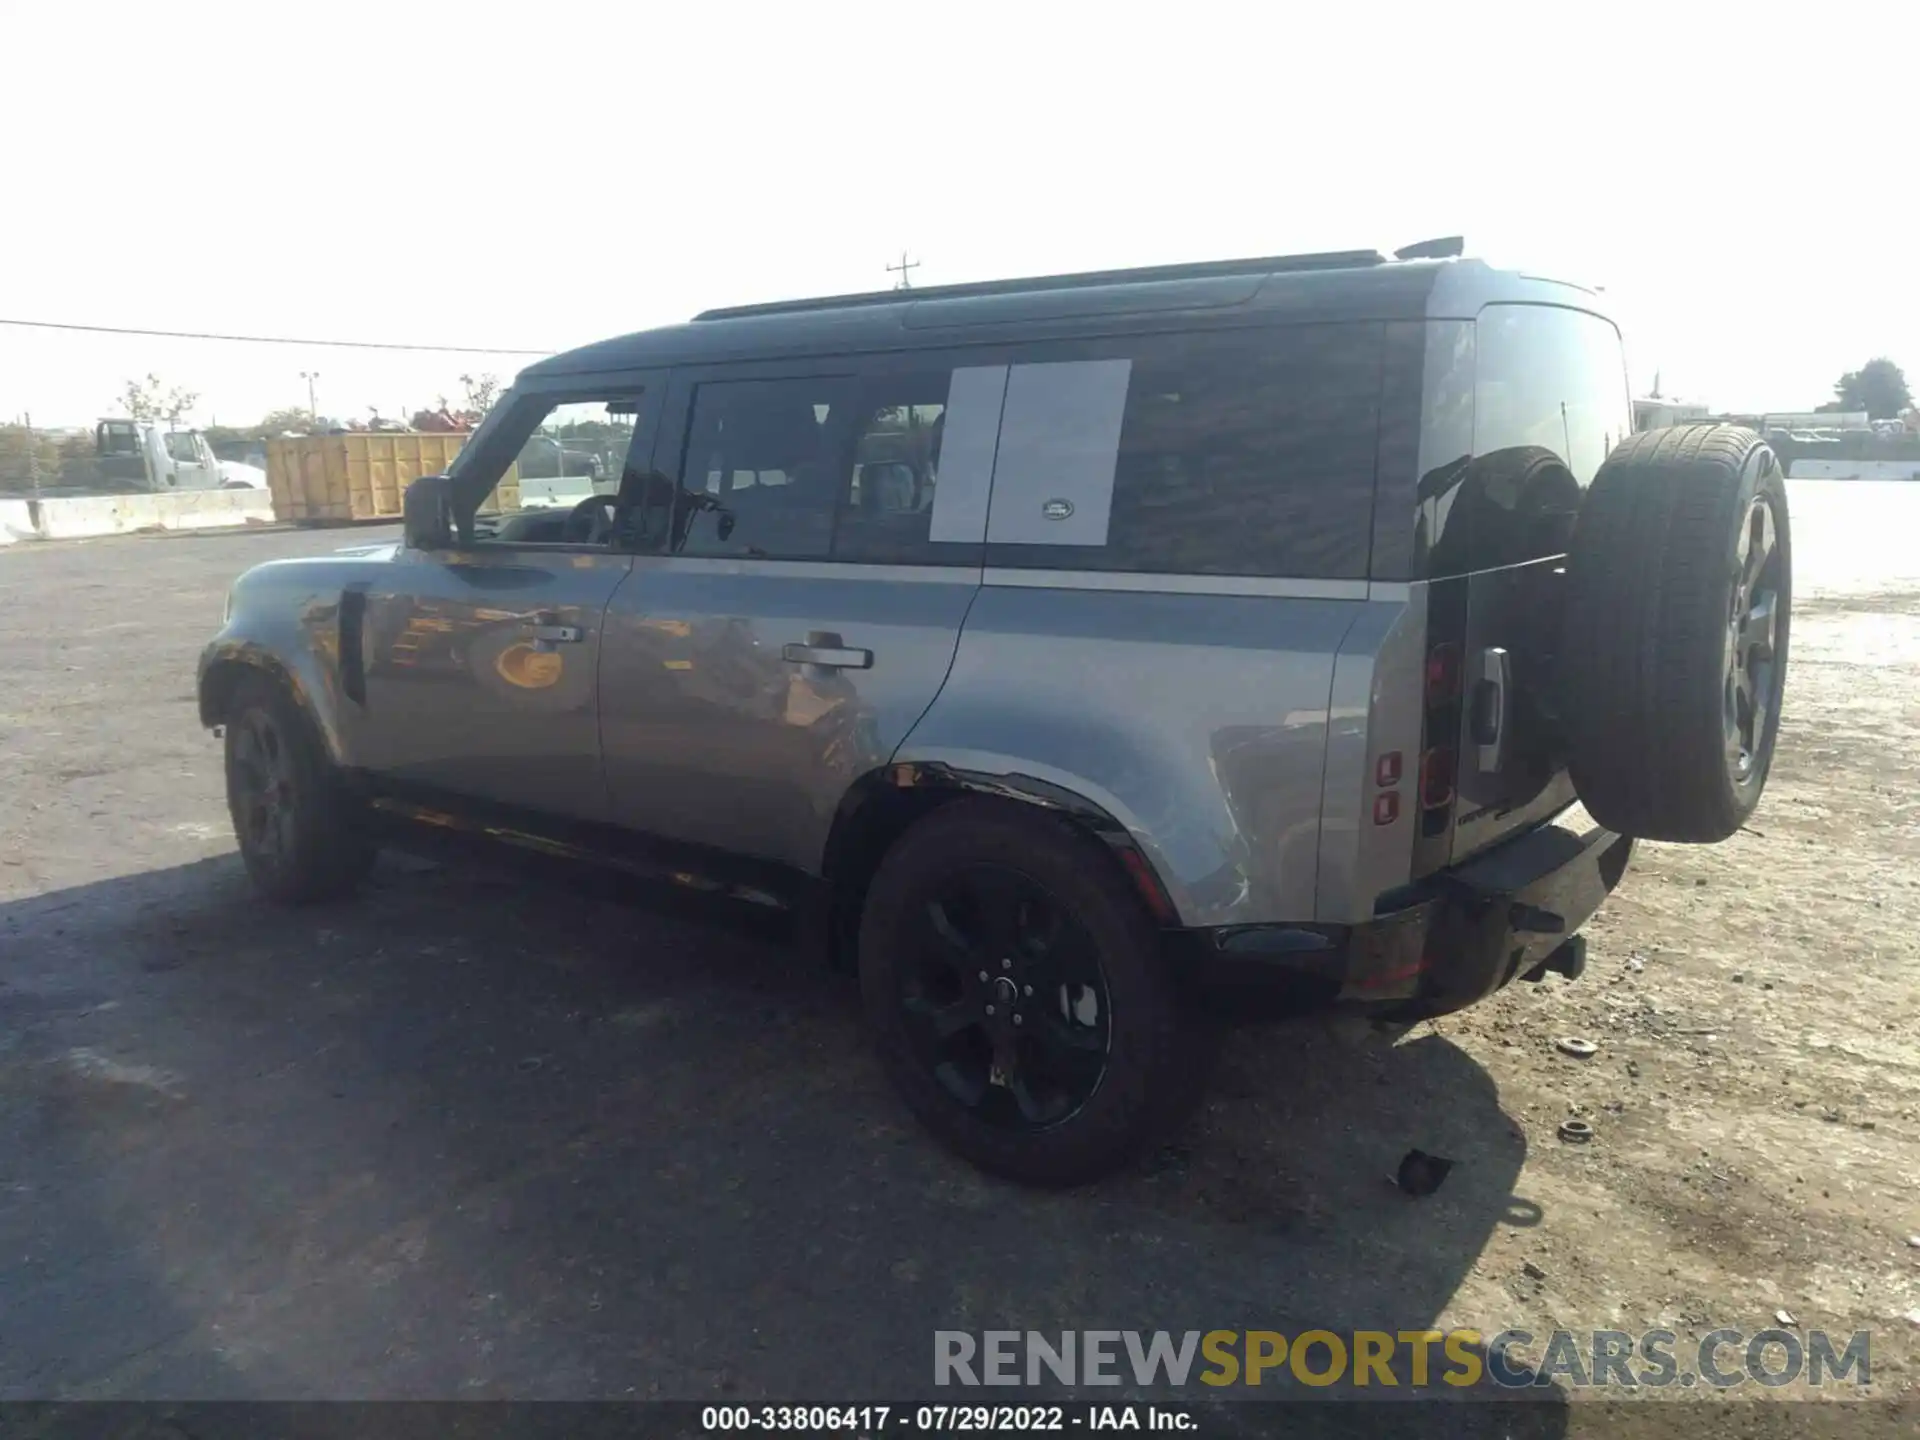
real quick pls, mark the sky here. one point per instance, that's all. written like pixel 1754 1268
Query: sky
pixel 538 177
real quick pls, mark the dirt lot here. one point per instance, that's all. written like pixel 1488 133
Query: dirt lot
pixel 468 1138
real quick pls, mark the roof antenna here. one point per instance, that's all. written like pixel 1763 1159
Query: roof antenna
pixel 1447 247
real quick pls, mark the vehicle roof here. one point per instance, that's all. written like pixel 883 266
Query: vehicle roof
pixel 1283 289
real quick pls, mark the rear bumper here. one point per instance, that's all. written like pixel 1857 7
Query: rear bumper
pixel 1444 943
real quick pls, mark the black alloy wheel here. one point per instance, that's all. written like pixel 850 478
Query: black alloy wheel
pixel 1752 627
pixel 301 830
pixel 1022 996
pixel 265 803
pixel 1005 999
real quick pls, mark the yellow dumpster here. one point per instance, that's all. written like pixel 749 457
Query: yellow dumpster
pixel 337 479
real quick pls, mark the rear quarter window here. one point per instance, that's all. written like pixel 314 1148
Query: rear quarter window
pixel 1243 452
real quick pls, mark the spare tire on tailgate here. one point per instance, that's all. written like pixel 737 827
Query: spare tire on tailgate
pixel 1673 653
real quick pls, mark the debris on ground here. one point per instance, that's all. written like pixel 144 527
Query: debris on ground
pixel 1532 1271
pixel 1576 1132
pixel 1421 1174
pixel 1578 1048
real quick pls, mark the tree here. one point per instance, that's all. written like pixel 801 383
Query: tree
pixel 1878 387
pixel 481 391
pixel 279 422
pixel 227 441
pixel 149 399
pixel 27 457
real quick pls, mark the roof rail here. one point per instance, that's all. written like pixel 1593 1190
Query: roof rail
pixel 1326 260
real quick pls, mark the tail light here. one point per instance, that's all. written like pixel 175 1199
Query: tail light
pixel 1437 769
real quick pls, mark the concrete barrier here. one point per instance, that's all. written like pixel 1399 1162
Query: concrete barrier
pixel 16 521
pixel 1853 470
pixel 71 517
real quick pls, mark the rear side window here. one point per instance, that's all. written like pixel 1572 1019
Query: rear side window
pixel 889 467
pixel 1247 452
pixel 913 489
pixel 761 473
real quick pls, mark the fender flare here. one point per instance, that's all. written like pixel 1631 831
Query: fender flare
pixel 226 663
pixel 879 805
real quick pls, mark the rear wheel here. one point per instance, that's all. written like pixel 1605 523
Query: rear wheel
pixel 1019 997
pixel 300 831
pixel 1673 653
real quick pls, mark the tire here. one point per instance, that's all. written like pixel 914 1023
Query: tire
pixel 1670 677
pixel 1086 955
pixel 306 842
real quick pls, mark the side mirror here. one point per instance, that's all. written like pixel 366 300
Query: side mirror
pixel 427 518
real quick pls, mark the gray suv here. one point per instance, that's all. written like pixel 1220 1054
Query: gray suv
pixel 1073 655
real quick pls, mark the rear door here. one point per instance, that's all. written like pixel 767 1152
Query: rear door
pixel 1549 400
pixel 816 556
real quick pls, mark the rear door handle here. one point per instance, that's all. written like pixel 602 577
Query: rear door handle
pixel 828 650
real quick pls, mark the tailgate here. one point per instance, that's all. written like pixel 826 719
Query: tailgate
pixel 1510 775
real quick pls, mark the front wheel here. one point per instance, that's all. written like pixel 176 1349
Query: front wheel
pixel 299 829
pixel 1019 997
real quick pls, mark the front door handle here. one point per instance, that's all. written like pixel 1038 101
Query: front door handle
pixel 828 650
pixel 545 637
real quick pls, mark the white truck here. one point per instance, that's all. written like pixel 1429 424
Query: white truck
pixel 143 455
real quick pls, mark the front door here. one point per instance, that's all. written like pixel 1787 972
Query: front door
pixel 807 599
pixel 482 661
pixel 191 460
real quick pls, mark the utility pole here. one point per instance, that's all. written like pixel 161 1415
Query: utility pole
pixel 313 410
pixel 902 269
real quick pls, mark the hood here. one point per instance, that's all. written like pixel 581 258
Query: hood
pixel 233 472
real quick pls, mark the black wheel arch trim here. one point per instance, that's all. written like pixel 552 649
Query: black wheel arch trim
pixel 225 665
pixel 911 788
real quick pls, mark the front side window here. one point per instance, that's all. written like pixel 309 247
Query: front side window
pixel 180 447
pixel 573 452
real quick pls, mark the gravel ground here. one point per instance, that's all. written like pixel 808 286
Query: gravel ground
pixel 469 1137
